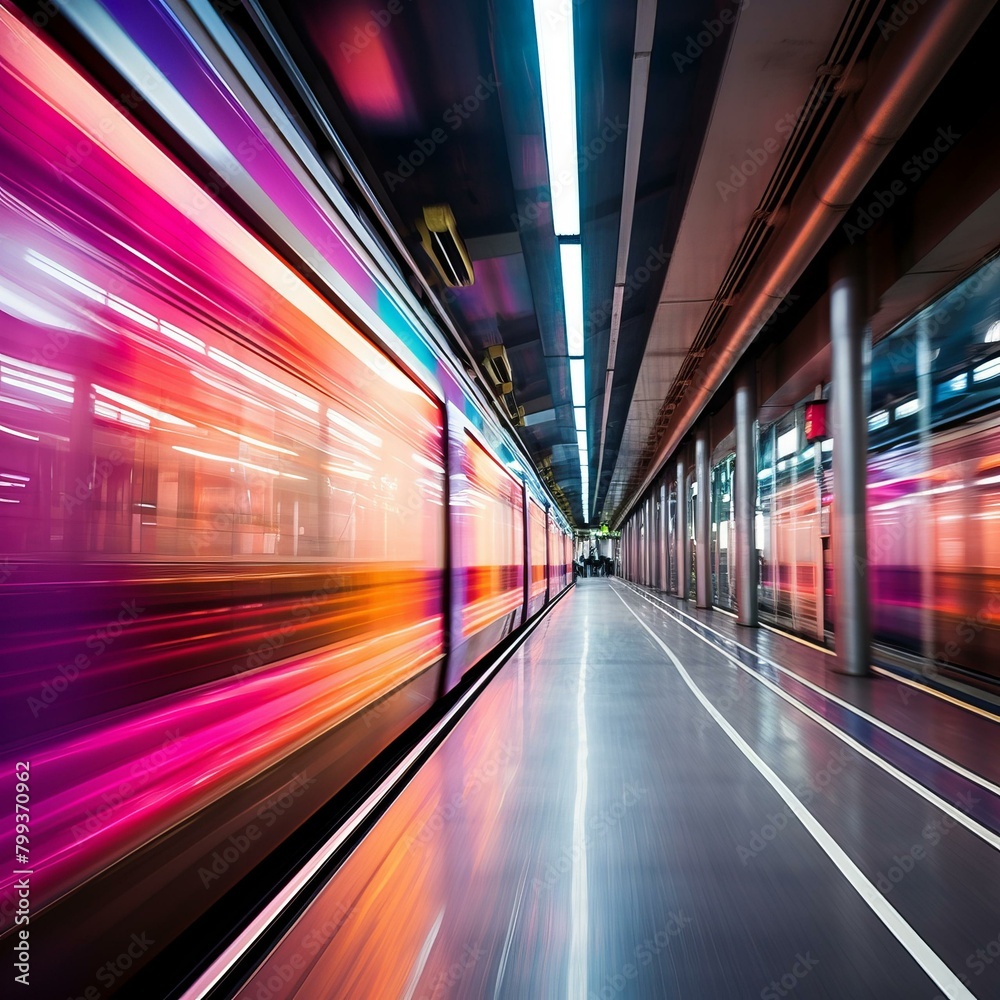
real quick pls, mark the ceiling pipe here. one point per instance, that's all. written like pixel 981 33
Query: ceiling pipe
pixel 645 27
pixel 912 65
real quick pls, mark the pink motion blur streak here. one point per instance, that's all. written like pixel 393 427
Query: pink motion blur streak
pixel 223 529
pixel 221 522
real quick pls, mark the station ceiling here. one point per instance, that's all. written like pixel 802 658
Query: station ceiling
pixel 695 122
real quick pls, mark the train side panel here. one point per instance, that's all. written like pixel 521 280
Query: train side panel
pixel 486 510
pixel 224 562
pixel 537 580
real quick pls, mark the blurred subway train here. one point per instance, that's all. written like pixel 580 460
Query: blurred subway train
pixel 933 511
pixel 248 536
pixel 933 495
pixel 933 547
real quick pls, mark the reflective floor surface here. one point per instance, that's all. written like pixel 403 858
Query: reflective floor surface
pixel 627 811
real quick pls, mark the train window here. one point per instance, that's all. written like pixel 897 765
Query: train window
pixel 138 423
pixel 722 532
pixel 487 511
pixel 933 507
pixel 941 365
pixel 536 528
pixel 794 493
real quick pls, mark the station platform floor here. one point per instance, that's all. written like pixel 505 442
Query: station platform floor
pixel 651 802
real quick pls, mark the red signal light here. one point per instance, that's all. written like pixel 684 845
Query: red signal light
pixel 816 420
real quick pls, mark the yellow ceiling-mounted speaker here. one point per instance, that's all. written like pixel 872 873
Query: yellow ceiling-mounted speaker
pixel 498 368
pixel 439 238
pixel 515 412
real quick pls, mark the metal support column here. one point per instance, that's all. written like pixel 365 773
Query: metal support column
pixel 745 405
pixel 631 547
pixel 645 542
pixel 683 558
pixel 640 527
pixel 851 373
pixel 631 550
pixel 654 506
pixel 702 579
pixel 664 547
pixel 650 541
pixel 925 539
pixel 635 548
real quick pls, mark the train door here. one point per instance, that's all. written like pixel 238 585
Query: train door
pixel 692 557
pixel 722 534
pixel 536 568
pixel 526 549
pixel 551 569
pixel 672 536
pixel 792 578
pixel 766 562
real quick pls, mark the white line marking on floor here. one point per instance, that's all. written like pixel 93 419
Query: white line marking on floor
pixel 252 932
pixel 425 953
pixel 935 800
pixel 508 940
pixel 884 726
pixel 576 984
pixel 923 954
pixel 935 693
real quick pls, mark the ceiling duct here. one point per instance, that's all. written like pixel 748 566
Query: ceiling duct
pixel 900 84
pixel 645 29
